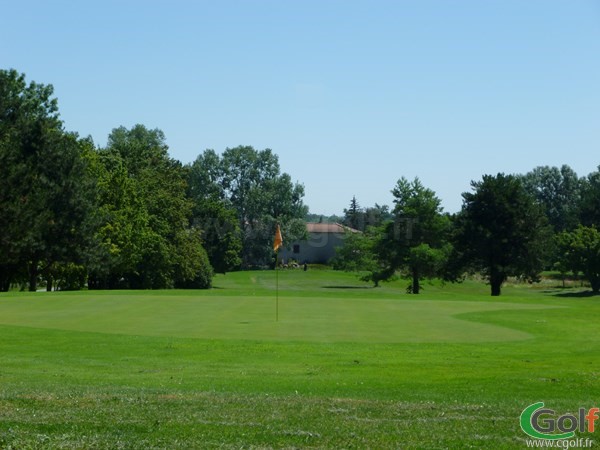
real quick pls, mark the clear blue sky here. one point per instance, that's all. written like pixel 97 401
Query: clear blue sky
pixel 351 95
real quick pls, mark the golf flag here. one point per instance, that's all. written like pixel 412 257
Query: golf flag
pixel 278 239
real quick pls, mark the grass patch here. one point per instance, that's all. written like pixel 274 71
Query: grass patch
pixel 312 319
pixel 343 368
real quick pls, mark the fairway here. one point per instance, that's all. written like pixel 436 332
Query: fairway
pixel 346 366
pixel 310 319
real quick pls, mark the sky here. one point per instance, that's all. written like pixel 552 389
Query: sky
pixel 351 95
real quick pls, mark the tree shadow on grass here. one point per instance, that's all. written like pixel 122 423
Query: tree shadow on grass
pixel 578 294
pixel 347 287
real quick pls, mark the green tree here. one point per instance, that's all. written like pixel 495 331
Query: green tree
pixel 561 255
pixel 320 218
pixel 580 252
pixel 416 241
pixel 205 178
pixel 358 254
pixel 220 233
pixel 558 190
pixel 145 216
pixel 192 268
pixel 251 183
pixel 213 214
pixel 45 194
pixel 123 222
pixel 502 231
pixel 354 216
pixel 71 202
pixel 377 215
pixel 589 213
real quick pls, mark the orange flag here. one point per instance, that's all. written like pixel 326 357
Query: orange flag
pixel 278 239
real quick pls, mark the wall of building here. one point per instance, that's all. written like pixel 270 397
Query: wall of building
pixel 318 249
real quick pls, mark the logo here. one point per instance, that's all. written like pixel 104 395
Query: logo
pixel 540 423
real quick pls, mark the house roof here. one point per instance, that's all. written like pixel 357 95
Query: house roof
pixel 313 227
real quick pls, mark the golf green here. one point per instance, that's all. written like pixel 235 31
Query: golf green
pixel 345 366
pixel 309 319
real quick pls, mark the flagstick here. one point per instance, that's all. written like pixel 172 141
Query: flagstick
pixel 276 246
pixel 277 286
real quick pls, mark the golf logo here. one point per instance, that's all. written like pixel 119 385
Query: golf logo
pixel 541 423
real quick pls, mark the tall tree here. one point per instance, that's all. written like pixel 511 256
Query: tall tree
pixel 251 183
pixel 205 178
pixel 213 214
pixel 580 252
pixel 416 241
pixel 376 215
pixel 558 190
pixel 123 223
pixel 359 254
pixel 502 231
pixel 221 234
pixel 44 191
pixel 354 216
pixel 590 200
pixel 146 215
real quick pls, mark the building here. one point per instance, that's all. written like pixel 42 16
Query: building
pixel 319 248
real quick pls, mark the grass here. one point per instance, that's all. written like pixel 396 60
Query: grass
pixel 346 366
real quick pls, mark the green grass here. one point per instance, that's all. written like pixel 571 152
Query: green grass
pixel 346 366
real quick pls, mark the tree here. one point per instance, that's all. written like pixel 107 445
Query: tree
pixel 70 202
pixel 122 224
pixel 416 241
pixel 45 193
pixel 251 183
pixel 355 255
pixel 192 268
pixel 558 191
pixel 213 214
pixel 205 177
pixel 377 215
pixel 358 254
pixel 590 200
pixel 580 252
pixel 145 217
pixel 354 216
pixel 320 218
pixel 561 256
pixel 221 234
pixel 502 231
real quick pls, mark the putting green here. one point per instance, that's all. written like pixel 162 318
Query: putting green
pixel 310 319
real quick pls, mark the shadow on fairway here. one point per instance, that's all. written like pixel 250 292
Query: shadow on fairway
pixel 346 287
pixel 580 294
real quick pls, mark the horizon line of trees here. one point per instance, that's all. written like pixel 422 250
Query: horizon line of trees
pixel 128 215
pixel 508 226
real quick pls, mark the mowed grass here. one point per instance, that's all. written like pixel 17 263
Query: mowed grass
pixel 346 366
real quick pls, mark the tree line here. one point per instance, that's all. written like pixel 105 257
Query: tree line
pixel 127 215
pixel 508 226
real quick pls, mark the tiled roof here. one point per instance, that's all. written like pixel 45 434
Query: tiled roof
pixel 313 227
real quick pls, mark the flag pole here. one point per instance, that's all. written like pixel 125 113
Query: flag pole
pixel 277 286
pixel 277 242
